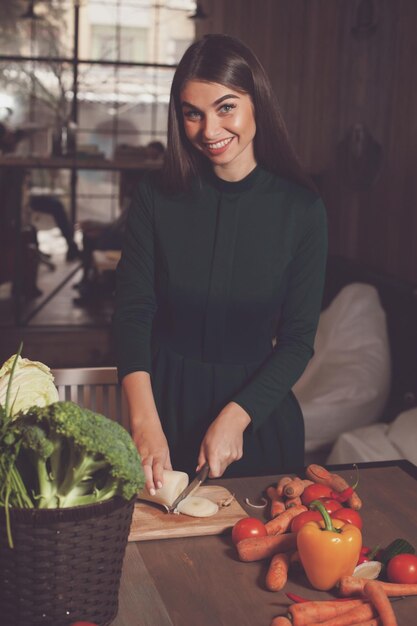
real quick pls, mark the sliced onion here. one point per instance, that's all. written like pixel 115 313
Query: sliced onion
pixel 196 506
pixel 257 506
pixel 368 569
pixel 173 483
pixel 227 501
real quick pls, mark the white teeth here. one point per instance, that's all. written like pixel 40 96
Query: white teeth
pixel 220 144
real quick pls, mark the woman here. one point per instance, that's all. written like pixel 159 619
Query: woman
pixel 221 277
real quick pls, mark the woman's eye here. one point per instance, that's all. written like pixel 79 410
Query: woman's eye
pixel 192 115
pixel 226 108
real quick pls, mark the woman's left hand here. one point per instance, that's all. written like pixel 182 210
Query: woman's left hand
pixel 223 441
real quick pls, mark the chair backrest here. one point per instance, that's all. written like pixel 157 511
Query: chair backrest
pixel 95 388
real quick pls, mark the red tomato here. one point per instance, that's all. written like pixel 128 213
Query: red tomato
pixel 403 569
pixel 362 559
pixel 248 527
pixel 303 518
pixel 315 492
pixel 331 505
pixel 348 515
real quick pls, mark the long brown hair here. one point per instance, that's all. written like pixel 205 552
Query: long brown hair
pixel 226 60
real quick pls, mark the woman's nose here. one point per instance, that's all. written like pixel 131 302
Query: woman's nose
pixel 211 127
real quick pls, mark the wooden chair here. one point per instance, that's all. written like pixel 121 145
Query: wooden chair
pixel 95 388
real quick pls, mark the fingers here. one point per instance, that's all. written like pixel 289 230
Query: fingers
pixel 158 474
pixel 218 466
pixel 154 452
pixel 153 468
pixel 149 482
pixel 201 460
pixel 217 461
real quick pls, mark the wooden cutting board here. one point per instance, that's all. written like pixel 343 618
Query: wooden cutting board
pixel 151 521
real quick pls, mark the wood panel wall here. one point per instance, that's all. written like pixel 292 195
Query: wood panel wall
pixel 335 64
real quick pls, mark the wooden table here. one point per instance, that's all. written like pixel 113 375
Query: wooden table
pixel 199 581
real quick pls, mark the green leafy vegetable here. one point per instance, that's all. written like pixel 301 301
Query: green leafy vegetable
pixel 31 384
pixel 70 456
pixel 57 454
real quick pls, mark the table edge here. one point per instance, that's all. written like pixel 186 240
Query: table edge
pixel 403 464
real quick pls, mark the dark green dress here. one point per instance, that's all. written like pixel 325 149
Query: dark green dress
pixel 206 281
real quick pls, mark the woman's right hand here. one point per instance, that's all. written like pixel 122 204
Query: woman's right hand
pixel 153 448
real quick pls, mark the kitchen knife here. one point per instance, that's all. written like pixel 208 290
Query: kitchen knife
pixel 200 477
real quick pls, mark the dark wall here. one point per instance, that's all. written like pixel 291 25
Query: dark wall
pixel 345 73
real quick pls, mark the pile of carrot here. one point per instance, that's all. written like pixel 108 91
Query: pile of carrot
pixel 365 602
pixel 372 608
pixel 321 475
pixel 351 586
pixel 286 494
pixel 331 613
pixel 280 545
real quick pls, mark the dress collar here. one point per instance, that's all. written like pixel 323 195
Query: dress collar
pixel 226 186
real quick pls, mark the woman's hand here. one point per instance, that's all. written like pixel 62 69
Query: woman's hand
pixel 153 448
pixel 223 441
pixel 146 429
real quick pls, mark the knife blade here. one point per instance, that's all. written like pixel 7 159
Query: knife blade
pixel 200 477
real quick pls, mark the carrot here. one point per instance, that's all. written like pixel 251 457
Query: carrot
pixel 350 585
pixel 296 487
pixel 305 613
pixel 258 548
pixel 375 621
pixel 281 484
pixel 358 614
pixel 321 475
pixel 296 501
pixel 280 620
pixel 277 574
pixel 375 593
pixel 371 622
pixel 293 488
pixel 281 523
pixel 277 502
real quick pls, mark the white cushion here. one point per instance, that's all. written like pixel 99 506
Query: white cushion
pixel 364 445
pixel 403 434
pixel 346 383
pixel 379 442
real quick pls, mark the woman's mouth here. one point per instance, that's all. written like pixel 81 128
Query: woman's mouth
pixel 219 146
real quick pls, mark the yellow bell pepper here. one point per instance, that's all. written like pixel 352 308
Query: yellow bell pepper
pixel 328 550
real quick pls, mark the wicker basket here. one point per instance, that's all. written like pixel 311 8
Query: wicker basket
pixel 65 565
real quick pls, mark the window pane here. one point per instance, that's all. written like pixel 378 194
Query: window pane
pixel 35 97
pixel 97 195
pixel 50 35
pixel 121 105
pixel 136 31
pixel 126 105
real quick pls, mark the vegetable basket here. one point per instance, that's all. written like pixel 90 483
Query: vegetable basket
pixel 65 565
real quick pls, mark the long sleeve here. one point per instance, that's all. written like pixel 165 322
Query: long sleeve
pixel 298 320
pixel 135 296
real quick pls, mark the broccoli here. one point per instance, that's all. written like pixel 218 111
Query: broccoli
pixel 70 456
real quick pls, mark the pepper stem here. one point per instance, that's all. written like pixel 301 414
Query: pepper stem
pixel 328 524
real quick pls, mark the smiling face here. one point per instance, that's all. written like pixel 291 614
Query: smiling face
pixel 220 123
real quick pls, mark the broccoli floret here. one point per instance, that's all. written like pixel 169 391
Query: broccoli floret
pixel 79 457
